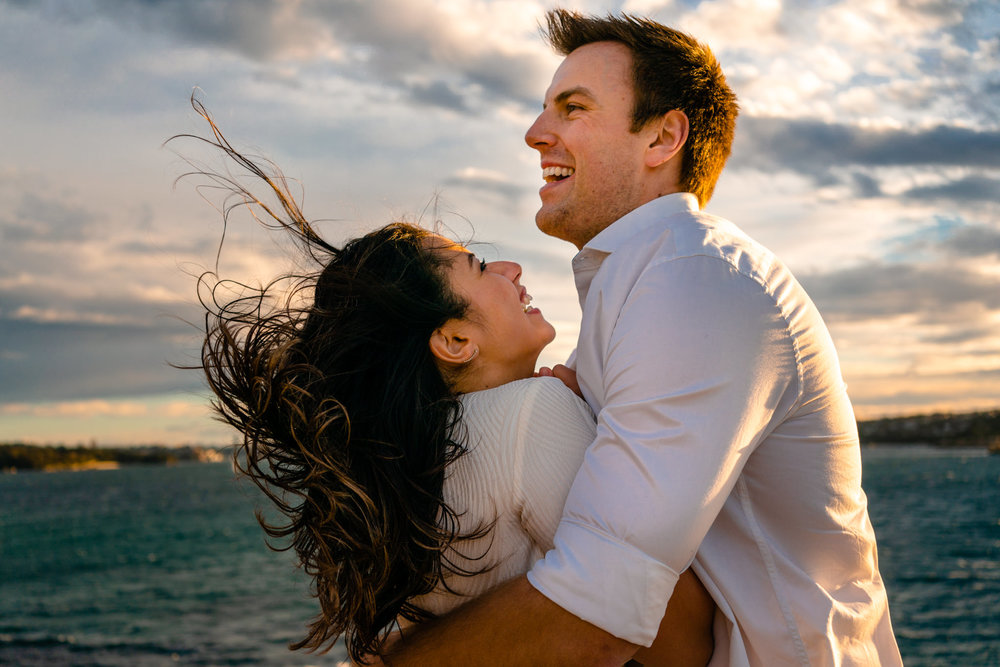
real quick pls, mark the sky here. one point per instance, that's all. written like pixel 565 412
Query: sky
pixel 867 156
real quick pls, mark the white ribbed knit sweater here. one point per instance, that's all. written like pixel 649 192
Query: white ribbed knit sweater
pixel 526 440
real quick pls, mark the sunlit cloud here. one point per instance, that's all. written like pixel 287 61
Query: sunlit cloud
pixel 83 409
pixel 53 315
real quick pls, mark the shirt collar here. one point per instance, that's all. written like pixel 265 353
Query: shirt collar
pixel 592 255
pixel 651 213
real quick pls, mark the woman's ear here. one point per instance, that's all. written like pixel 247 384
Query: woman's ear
pixel 449 345
pixel 670 134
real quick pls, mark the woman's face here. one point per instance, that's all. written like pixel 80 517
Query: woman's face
pixel 506 329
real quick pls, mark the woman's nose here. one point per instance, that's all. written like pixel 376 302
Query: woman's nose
pixel 510 270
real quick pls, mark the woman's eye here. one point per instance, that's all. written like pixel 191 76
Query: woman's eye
pixel 482 266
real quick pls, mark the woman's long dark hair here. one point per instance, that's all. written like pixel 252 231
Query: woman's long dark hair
pixel 347 422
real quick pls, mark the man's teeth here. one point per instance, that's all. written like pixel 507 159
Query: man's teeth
pixel 526 302
pixel 556 173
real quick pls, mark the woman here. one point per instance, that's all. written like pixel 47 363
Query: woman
pixel 388 410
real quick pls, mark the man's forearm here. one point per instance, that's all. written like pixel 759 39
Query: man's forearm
pixel 513 624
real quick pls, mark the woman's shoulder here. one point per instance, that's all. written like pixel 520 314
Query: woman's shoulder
pixel 548 391
pixel 525 411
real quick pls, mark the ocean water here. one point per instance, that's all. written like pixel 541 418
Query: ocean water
pixel 144 565
pixel 166 565
pixel 937 520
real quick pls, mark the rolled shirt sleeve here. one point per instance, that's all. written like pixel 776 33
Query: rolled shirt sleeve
pixel 685 379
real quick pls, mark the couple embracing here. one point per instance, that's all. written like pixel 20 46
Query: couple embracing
pixel 700 504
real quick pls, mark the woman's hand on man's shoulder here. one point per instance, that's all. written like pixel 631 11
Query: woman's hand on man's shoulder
pixel 564 373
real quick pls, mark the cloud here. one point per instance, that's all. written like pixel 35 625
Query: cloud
pixel 399 39
pixel 83 409
pixel 974 241
pixel 947 164
pixel 54 315
pixel 883 290
pixel 910 392
pixel 259 29
pixel 866 186
pixel 970 188
pixel 103 263
pixel 895 63
pixel 814 147
pixel 135 296
pixel 45 218
pixel 433 54
pixel 45 361
pixel 178 247
pixel 487 181
pixel 440 94
pixel 950 238
pixel 187 409
pixel 966 334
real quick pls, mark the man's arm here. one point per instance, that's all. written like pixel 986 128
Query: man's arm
pixel 694 367
pixel 513 622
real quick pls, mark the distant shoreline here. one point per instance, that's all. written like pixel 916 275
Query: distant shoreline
pixel 18 457
pixel 971 429
pixel 89 465
pixel 980 430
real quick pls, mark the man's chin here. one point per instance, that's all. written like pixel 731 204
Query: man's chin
pixel 554 224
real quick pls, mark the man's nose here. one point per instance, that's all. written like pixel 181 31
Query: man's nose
pixel 539 135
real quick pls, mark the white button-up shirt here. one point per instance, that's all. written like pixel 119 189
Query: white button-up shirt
pixel 724 430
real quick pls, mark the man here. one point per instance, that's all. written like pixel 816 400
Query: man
pixel 724 428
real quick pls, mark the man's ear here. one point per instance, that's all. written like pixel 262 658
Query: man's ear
pixel 670 132
pixel 449 345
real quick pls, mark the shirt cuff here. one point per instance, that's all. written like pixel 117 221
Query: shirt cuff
pixel 605 582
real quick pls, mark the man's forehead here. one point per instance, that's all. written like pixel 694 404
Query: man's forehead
pixel 589 68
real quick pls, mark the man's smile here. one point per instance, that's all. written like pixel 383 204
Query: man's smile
pixel 552 174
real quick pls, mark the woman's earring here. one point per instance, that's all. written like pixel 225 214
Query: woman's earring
pixel 471 356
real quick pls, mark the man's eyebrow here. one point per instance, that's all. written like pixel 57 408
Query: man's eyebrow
pixel 566 94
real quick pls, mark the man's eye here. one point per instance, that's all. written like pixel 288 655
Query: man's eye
pixel 570 108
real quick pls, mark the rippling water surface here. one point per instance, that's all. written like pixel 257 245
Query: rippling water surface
pixel 937 519
pixel 166 565
pixel 143 566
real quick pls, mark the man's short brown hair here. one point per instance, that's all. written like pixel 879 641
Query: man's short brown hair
pixel 670 70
